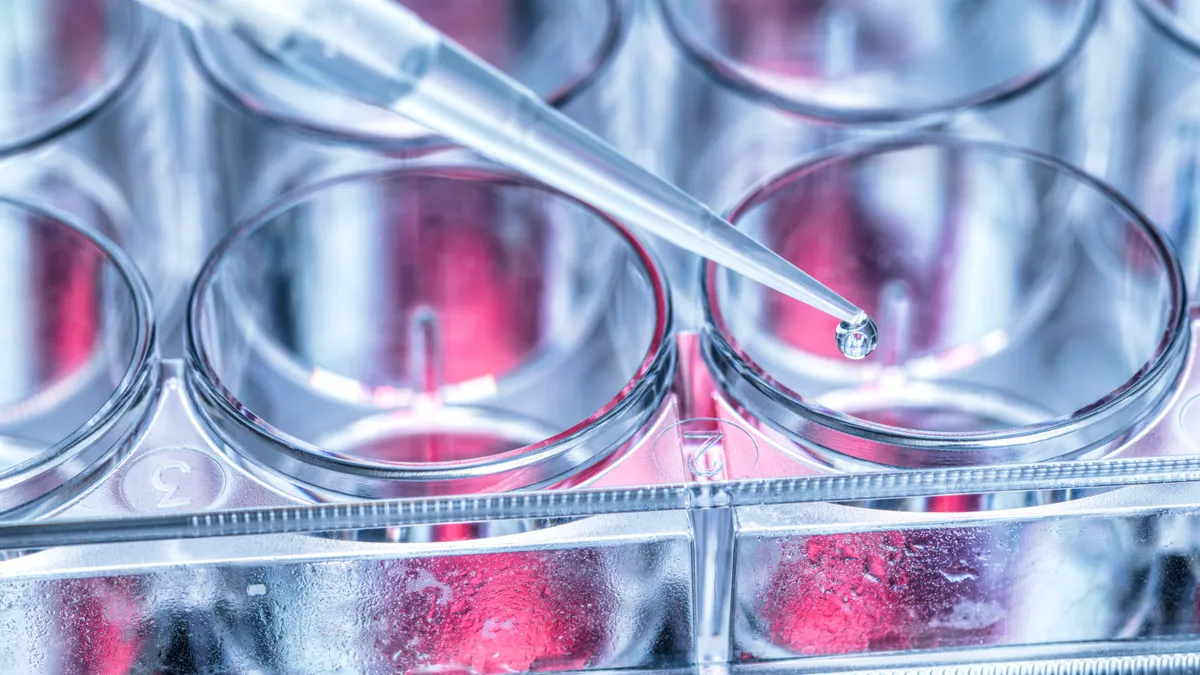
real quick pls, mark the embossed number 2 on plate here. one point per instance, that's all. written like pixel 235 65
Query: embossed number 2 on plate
pixel 696 459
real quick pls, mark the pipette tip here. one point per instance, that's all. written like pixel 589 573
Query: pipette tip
pixel 857 339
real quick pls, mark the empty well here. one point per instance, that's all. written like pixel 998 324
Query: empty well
pixel 429 331
pixel 76 352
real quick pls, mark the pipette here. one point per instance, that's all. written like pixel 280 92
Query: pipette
pixel 380 53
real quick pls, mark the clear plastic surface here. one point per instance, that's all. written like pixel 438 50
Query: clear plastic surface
pixel 705 538
pixel 598 594
pixel 141 537
pixel 775 552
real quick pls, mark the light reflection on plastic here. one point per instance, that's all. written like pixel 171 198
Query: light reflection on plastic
pixel 345 388
pixel 960 357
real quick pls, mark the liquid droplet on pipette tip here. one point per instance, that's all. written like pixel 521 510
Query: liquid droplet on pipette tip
pixel 857 340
